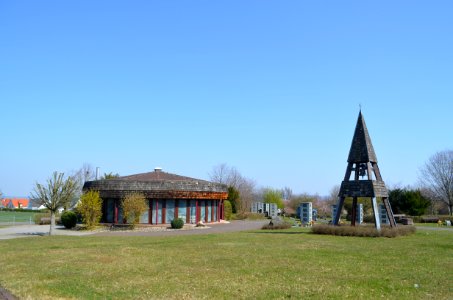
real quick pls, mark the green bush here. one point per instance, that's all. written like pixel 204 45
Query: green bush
pixel 368 219
pixel 228 210
pixel 177 223
pixel 69 219
pixel 134 205
pixel 363 231
pixel 90 208
pixel 280 225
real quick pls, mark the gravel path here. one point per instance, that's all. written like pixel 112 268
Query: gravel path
pixel 435 228
pixel 210 228
pixel 5 295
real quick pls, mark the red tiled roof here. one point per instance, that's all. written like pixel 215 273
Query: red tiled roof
pixel 15 202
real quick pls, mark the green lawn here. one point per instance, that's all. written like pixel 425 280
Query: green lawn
pixel 253 265
pixel 16 216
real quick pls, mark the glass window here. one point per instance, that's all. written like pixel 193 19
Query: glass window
pixel 209 211
pixel 144 217
pixel 202 206
pixel 120 213
pixel 156 213
pixel 159 211
pixel 193 211
pixel 182 211
pixel 109 213
pixel 170 214
pixel 153 211
pixel 215 211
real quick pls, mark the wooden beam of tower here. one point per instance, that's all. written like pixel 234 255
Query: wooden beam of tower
pixel 354 211
pixel 340 202
pixel 389 212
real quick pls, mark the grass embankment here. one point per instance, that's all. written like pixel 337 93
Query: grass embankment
pixel 255 265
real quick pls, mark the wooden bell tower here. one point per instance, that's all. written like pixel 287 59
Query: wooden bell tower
pixel 363 178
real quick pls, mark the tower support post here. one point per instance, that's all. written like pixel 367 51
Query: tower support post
pixel 376 213
pixel 354 211
pixel 336 219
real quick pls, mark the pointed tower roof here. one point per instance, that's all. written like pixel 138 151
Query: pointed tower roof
pixel 361 148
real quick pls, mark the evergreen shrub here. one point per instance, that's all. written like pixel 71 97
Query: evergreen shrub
pixel 69 219
pixel 177 223
pixel 228 210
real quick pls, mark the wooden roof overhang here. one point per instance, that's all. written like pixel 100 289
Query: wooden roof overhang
pixel 363 188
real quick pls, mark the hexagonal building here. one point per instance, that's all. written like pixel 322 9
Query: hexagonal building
pixel 168 196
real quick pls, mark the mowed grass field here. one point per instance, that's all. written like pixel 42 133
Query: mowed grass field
pixel 16 216
pixel 245 265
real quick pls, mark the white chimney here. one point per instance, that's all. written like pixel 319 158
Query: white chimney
pixel 157 169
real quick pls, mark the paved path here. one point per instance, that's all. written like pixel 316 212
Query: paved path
pixel 19 231
pixel 449 228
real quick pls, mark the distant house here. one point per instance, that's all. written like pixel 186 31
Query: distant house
pixel 15 202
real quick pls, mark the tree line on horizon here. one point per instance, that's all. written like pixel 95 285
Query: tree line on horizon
pixel 434 191
pixel 433 194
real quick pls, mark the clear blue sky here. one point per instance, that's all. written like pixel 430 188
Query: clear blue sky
pixel 269 87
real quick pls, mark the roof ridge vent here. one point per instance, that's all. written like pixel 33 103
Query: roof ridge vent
pixel 157 169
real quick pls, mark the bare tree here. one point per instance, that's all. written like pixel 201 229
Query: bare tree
pixel 80 176
pixel 85 173
pixel 437 177
pixel 246 194
pixel 220 174
pixel 298 199
pixel 333 195
pixel 230 176
pixel 56 194
pixel 436 205
pixel 287 193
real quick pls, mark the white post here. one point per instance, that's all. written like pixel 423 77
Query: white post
pixel 376 214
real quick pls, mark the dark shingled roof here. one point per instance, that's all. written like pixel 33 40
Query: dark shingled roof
pixel 158 184
pixel 158 176
pixel 362 150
